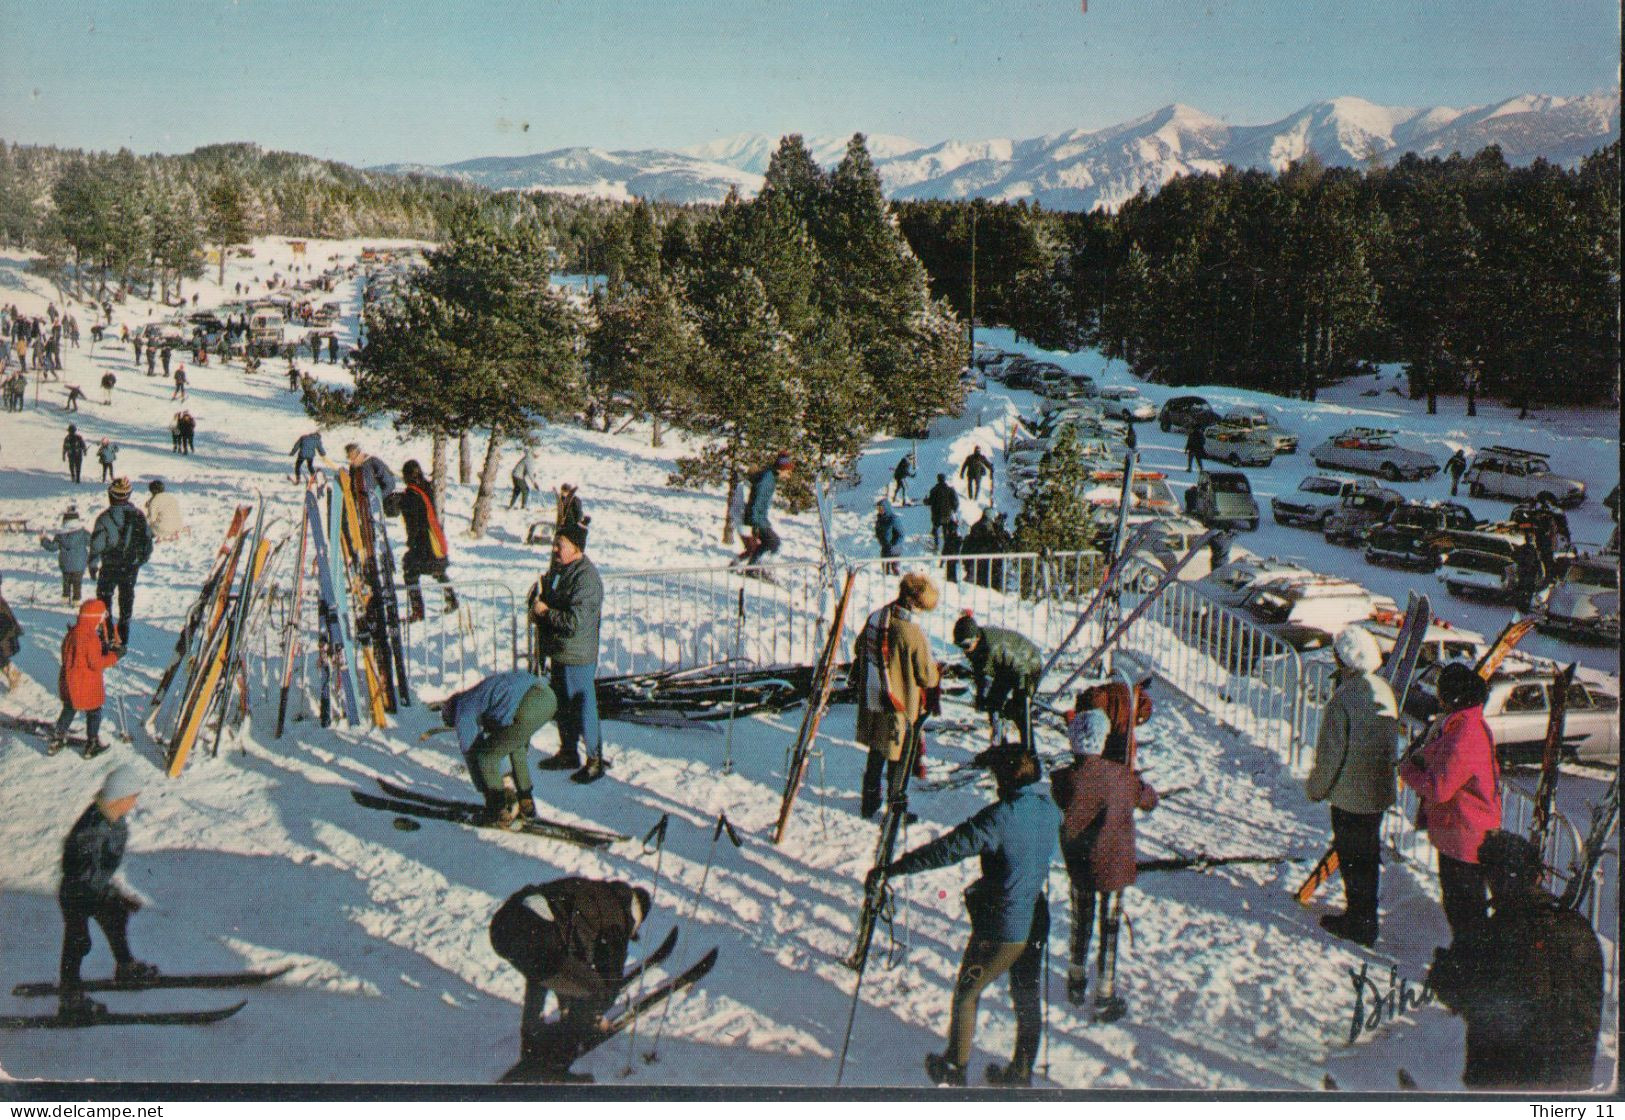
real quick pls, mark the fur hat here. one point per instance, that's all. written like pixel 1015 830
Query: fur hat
pixel 1087 732
pixel 120 490
pixel 916 592
pixel 123 781
pixel 1356 647
pixel 575 534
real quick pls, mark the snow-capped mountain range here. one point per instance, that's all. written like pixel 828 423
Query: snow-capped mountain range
pixel 1080 169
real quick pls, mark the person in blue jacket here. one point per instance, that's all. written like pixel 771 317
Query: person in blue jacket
pixel 760 504
pixel 71 543
pixel 495 720
pixel 305 451
pixel 1016 840
pixel 888 532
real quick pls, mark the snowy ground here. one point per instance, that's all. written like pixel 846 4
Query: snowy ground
pixel 259 856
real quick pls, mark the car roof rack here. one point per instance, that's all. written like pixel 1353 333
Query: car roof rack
pixel 1499 450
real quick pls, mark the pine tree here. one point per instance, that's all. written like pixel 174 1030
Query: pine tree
pixel 226 216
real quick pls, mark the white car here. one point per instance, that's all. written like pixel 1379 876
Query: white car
pixel 1238 446
pixel 1123 402
pixel 1507 472
pixel 1373 451
pixel 1517 713
pixel 1584 604
pixel 1252 417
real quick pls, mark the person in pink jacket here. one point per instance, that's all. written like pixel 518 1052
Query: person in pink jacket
pixel 1456 775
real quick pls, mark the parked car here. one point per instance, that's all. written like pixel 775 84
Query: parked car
pixel 1359 512
pixel 1161 549
pixel 1253 417
pixel 1240 447
pixel 1185 413
pixel 1316 498
pixel 1584 604
pixel 1222 499
pixel 1305 613
pixel 1149 491
pixel 1442 642
pixel 1022 374
pixel 1517 712
pixel 989 359
pixel 1123 402
pixel 972 378
pixel 1507 472
pixel 1229 584
pixel 1418 534
pixel 1373 451
pixel 1482 565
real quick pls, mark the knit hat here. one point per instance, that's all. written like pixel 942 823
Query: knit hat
pixel 783 463
pixel 1087 732
pixel 575 534
pixel 120 490
pixel 1357 649
pixel 965 629
pixel 123 781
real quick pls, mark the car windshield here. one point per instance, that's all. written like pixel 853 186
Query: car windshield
pixel 1268 606
pixel 1232 484
pixel 1314 484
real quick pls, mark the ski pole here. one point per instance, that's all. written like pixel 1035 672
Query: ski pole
pixel 657 837
pixel 723 825
pixel 733 691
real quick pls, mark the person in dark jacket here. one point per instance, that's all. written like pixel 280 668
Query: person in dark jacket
pixel 565 607
pixel 120 543
pixel 1195 447
pixel 90 858
pixel 899 479
pixel 427 553
pixel 976 467
pixel 305 450
pixel 1005 666
pixel 11 640
pixel 757 507
pixel 888 533
pixel 952 542
pixel 944 502
pixel 71 543
pixel 1528 980
pixel 496 720
pixel 1015 838
pixel 568 509
pixel 368 473
pixel 186 429
pixel 1455 467
pixel 569 936
pixel 73 450
pixel 987 538
pixel 1097 799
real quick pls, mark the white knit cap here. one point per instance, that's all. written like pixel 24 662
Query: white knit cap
pixel 123 781
pixel 1087 732
pixel 1356 648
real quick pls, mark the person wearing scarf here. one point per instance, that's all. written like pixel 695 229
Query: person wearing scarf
pixel 896 675
pixel 426 551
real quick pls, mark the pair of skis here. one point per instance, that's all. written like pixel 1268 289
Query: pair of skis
pixel 211 980
pixel 400 799
pixel 818 702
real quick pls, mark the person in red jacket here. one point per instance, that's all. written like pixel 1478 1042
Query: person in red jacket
pixel 87 652
pixel 1126 706
pixel 1457 778
pixel 1097 798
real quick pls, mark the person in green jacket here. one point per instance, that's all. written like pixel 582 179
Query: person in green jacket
pixel 1006 667
pixel 565 607
pixel 1354 769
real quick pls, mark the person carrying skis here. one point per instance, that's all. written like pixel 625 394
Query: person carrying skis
pixel 1126 704
pixel 90 858
pixel 71 543
pixel 368 474
pixel 11 640
pixel 1354 771
pixel 896 678
pixel 1097 798
pixel 73 450
pixel 1457 778
pixel 1015 838
pixel 571 936
pixel 565 606
pixel 759 504
pixel 1528 981
pixel 1455 467
pixel 524 478
pixel 427 553
pixel 120 543
pixel 888 532
pixel 87 653
pixel 976 467
pixel 899 479
pixel 1005 666
pixel 496 720
pixel 164 517
pixel 568 508
pixel 106 455
pixel 305 450
pixel 943 500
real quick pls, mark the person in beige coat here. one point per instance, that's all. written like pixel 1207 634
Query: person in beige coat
pixel 895 676
pixel 1354 770
pixel 164 513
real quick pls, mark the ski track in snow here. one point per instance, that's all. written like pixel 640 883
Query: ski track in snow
pixel 259 857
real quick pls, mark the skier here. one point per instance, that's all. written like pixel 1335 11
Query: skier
pixel 90 858
pixel 523 477
pixel 152 361
pixel 1097 798
pixel 986 537
pixel 496 720
pixel 759 504
pixel 1006 666
pixel 897 677
pixel 426 550
pixel 87 652
pixel 899 479
pixel 305 450
pixel 11 640
pixel 180 380
pixel 73 450
pixel 164 517
pixel 944 502
pixel 1354 770
pixel 567 508
pixel 565 605
pixel 186 427
pixel 1126 704
pixel 1015 838
pixel 1528 981
pixel 975 467
pixel 1455 467
pixel 71 543
pixel 109 382
pixel 888 532
pixel 571 936
pixel 1456 777
pixel 120 543
pixel 75 395
pixel 1195 447
pixel 333 349
pixel 106 454
pixel 368 473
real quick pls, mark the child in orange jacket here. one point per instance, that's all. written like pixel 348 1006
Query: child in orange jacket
pixel 87 652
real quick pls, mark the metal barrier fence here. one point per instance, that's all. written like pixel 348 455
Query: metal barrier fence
pixel 451 648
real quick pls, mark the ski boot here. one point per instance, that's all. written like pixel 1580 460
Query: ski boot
pixel 135 970
pixel 77 1006
pixel 55 744
pixel 94 747
pixel 527 807
pixel 564 760
pixel 1340 926
pixel 944 1073
pixel 591 772
pixel 1012 1076
pixel 1109 1009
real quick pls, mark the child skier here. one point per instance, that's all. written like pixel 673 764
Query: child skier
pixel 87 652
pixel 71 543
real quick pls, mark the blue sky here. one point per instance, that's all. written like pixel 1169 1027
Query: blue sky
pixel 369 82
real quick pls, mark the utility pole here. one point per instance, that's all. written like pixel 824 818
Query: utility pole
pixel 973 209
